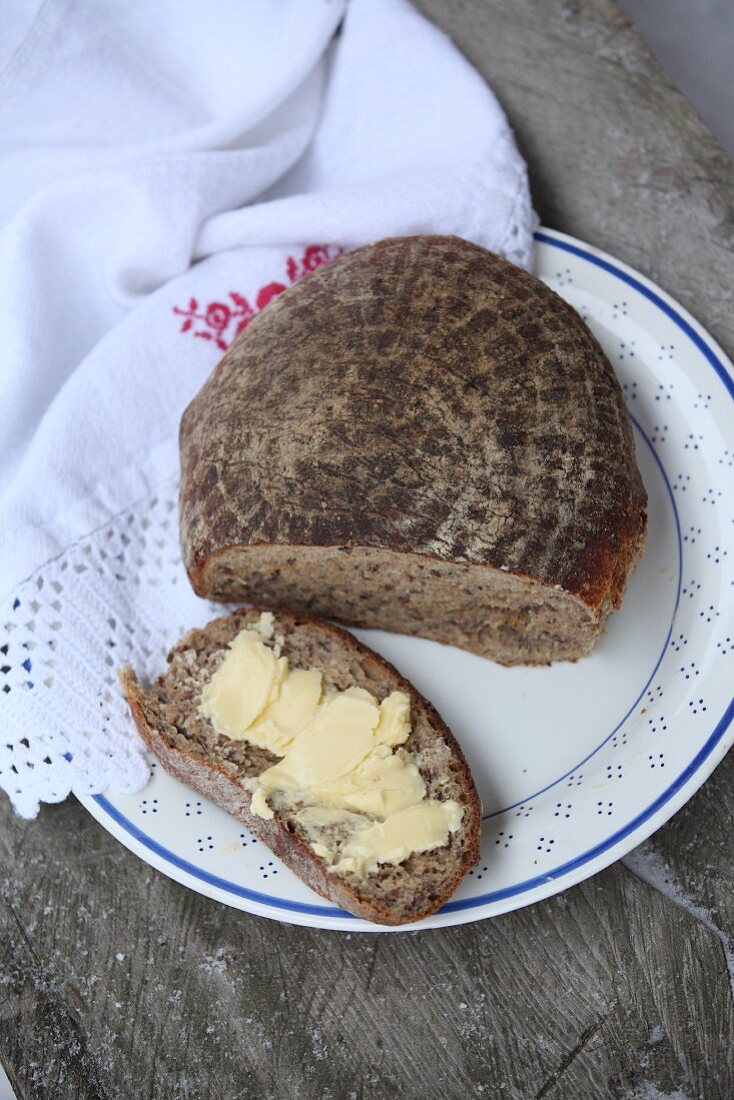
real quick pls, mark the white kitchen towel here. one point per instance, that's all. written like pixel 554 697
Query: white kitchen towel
pixel 165 170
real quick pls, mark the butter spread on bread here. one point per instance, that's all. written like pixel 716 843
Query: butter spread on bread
pixel 359 796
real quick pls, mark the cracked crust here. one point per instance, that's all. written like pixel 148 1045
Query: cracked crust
pixel 418 405
pixel 166 714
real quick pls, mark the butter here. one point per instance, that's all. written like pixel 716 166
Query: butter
pixel 413 829
pixel 254 697
pixel 260 806
pixel 244 685
pixel 358 796
pixel 417 828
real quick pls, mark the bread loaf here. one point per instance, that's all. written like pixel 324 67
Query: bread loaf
pixel 170 720
pixel 424 438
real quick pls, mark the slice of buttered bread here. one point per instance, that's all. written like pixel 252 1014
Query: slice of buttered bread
pixel 397 844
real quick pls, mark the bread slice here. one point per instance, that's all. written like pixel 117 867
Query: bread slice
pixel 419 437
pixel 167 715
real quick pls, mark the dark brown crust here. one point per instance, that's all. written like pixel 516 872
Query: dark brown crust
pixel 227 791
pixel 423 396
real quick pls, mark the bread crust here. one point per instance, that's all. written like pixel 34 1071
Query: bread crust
pixel 226 790
pixel 424 397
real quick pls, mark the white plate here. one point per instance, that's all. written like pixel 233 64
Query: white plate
pixel 577 763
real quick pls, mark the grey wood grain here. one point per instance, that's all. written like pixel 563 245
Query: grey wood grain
pixel 616 154
pixel 116 982
pixel 691 860
pixel 124 984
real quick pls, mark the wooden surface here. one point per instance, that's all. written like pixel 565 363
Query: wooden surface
pixel 116 982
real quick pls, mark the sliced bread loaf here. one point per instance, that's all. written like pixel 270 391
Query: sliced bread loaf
pixel 420 437
pixel 169 716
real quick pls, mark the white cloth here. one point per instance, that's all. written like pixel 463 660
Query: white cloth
pixel 165 169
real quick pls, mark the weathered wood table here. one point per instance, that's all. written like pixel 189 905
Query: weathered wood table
pixel 117 982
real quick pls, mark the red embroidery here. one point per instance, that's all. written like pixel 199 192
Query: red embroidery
pixel 222 321
pixel 267 293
